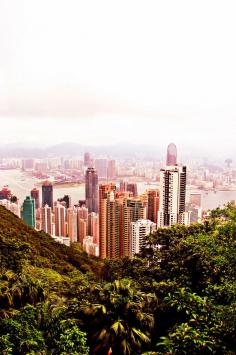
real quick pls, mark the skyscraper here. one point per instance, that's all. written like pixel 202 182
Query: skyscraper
pixel 91 190
pixel 93 226
pixel 171 159
pixel 153 205
pixel 47 194
pixel 133 210
pixel 82 223
pixel 139 230
pixel 28 211
pixel 60 220
pixel 35 194
pixel 46 219
pixel 106 218
pixel 72 224
pixel 172 195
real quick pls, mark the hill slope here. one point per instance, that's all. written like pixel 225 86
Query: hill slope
pixel 179 299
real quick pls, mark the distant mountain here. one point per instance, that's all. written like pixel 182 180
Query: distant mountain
pixel 122 150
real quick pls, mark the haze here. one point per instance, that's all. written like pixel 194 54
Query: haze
pixel 103 72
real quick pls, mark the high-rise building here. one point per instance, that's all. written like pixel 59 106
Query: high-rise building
pixel 106 218
pixel 132 187
pixel 60 220
pixel 91 190
pixel 28 211
pixel 35 194
pixel 133 210
pixel 171 159
pixel 47 194
pixel 111 170
pixel 101 167
pixel 72 224
pixel 139 230
pixel 46 219
pixel 93 227
pixel 82 223
pixel 172 195
pixel 153 205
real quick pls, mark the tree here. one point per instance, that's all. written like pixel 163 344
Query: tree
pixel 122 320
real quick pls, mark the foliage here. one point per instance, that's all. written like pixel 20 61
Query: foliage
pixel 179 298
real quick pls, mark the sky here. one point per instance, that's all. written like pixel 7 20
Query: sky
pixel 104 72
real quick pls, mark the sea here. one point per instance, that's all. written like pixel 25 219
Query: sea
pixel 21 183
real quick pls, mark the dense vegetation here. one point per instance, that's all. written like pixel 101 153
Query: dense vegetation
pixel 179 298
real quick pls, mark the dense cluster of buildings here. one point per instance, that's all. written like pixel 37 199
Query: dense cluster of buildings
pixel 114 219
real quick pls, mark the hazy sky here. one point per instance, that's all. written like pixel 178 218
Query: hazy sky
pixel 97 72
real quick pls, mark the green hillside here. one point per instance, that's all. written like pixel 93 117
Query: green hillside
pixel 179 299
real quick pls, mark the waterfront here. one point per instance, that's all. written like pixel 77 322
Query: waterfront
pixel 21 184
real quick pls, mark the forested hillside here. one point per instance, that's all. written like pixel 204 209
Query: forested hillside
pixel 179 298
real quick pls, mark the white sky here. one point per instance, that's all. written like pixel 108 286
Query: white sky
pixel 106 71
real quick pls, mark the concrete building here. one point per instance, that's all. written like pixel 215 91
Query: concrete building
pixel 29 212
pixel 60 220
pixel 172 195
pixel 153 205
pixel 91 190
pixel 35 194
pixel 139 230
pixel 72 224
pixel 171 159
pixel 46 219
pixel 47 194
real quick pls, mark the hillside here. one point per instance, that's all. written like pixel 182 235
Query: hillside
pixel 180 299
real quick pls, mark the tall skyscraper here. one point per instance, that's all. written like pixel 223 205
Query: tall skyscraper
pixel 93 226
pixel 171 159
pixel 106 218
pixel 46 219
pixel 153 205
pixel 139 230
pixel 47 194
pixel 172 195
pixel 91 190
pixel 133 210
pixel 35 194
pixel 72 224
pixel 82 223
pixel 60 220
pixel 28 211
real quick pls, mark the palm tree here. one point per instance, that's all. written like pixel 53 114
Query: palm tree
pixel 122 320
